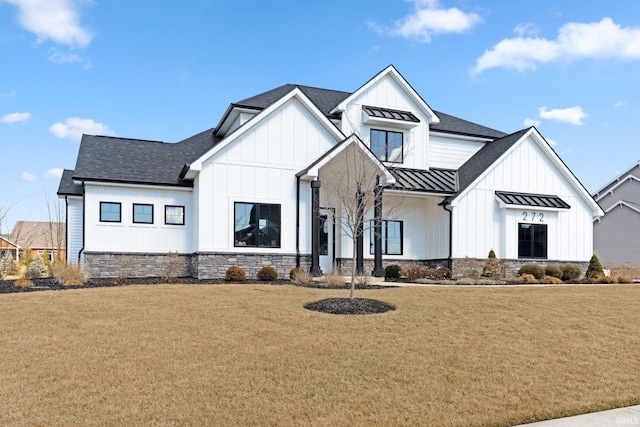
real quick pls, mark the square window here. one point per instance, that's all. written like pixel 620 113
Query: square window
pixel 387 145
pixel 109 212
pixel 142 214
pixel 174 215
pixel 532 241
pixel 256 225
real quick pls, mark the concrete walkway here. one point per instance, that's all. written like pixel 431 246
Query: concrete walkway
pixel 629 416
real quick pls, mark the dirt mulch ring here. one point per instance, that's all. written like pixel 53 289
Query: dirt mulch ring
pixel 350 306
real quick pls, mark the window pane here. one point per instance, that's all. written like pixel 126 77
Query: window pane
pixel 174 215
pixel 540 241
pixel 525 234
pixel 394 147
pixel 143 214
pixel 379 144
pixel 323 235
pixel 109 212
pixel 269 225
pixel 245 224
pixel 394 238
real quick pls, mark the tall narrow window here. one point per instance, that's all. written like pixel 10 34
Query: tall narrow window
pixel 174 215
pixel 257 225
pixel 142 214
pixel 387 145
pixel 109 212
pixel 391 238
pixel 532 241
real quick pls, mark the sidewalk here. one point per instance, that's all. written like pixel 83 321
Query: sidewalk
pixel 629 416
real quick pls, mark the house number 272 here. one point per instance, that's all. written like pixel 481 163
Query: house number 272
pixel 534 215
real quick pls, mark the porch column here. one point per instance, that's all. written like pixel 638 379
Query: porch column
pixel 378 271
pixel 359 233
pixel 315 228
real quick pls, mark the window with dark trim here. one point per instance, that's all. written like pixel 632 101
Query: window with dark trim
pixel 173 215
pixel 142 213
pixel 391 238
pixel 532 241
pixel 110 212
pixel 256 225
pixel 387 145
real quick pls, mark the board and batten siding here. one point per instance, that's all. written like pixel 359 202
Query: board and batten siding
pixel 481 225
pixel 74 229
pixel 450 153
pixel 127 236
pixel 387 94
pixel 260 166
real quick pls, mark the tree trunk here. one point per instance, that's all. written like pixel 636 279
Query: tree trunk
pixel 353 270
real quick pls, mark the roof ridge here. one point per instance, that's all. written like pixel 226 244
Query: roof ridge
pixel 127 139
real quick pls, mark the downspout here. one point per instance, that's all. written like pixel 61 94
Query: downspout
pixel 84 202
pixel 297 221
pixel 66 228
pixel 449 209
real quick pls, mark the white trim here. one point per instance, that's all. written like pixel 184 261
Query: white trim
pixel 461 137
pixel 404 85
pixel 131 185
pixel 417 194
pixel 609 192
pixel 623 203
pixel 618 178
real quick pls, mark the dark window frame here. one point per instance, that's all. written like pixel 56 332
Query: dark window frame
pixel 386 145
pixel 385 238
pixel 119 220
pixel 133 215
pixel 530 248
pixel 258 214
pixel 174 206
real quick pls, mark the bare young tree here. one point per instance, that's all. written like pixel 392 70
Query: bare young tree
pixel 56 231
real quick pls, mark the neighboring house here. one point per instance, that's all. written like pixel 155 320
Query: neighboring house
pixel 7 247
pixel 615 236
pixel 252 190
pixel 40 237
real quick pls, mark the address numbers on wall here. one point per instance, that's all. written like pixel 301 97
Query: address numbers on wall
pixel 533 216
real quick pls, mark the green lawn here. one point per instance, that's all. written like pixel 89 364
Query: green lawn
pixel 251 355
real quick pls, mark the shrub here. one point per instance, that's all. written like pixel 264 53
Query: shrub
pixel 551 280
pixel 440 273
pixel 534 269
pixel 26 258
pixel 333 280
pixel 235 273
pixel 627 270
pixel 624 279
pixel 415 271
pixel 267 274
pixel 608 280
pixel 172 262
pixel 23 283
pixel 37 268
pixel 295 271
pixel 67 275
pixel 300 276
pixel 570 271
pixel 469 267
pixel 528 278
pixel 553 271
pixel 492 267
pixel 392 271
pixel 594 271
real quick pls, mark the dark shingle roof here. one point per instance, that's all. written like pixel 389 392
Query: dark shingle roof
pixel 451 124
pixel 535 200
pixel 441 181
pixel 113 159
pixel 67 187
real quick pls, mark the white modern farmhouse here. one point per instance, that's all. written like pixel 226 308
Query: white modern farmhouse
pixel 261 189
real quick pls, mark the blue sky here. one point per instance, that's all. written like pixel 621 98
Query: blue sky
pixel 165 70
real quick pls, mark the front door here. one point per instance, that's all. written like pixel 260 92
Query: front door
pixel 325 239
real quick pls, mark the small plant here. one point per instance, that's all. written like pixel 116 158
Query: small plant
pixel 126 266
pixel 267 274
pixel 67 275
pixel 553 271
pixel 534 269
pixel 37 268
pixel 295 271
pixel 392 271
pixel 26 257
pixel 415 272
pixel 624 279
pixel 440 273
pixel 23 283
pixel 492 267
pixel 528 278
pixel 363 279
pixel 172 262
pixel 235 274
pixel 551 280
pixel 300 276
pixel 333 280
pixel 570 271
pixel 608 280
pixel 594 271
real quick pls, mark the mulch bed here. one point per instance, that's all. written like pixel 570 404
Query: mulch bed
pixel 350 306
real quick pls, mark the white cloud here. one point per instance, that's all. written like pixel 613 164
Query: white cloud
pixel 55 173
pixel 526 29
pixel 63 58
pixel 551 142
pixel 573 115
pixel 531 122
pixel 26 176
pixel 576 41
pixel 55 20
pixel 74 127
pixel 619 104
pixel 430 18
pixel 15 118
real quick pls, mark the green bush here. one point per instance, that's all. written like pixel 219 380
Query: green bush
pixel 570 271
pixel 535 270
pixel 392 271
pixel 553 271
pixel 37 268
pixel 492 267
pixel 594 271
pixel 235 273
pixel 267 274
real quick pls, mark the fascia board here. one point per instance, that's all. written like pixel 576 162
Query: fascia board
pixel 622 203
pixel 621 181
pixel 618 178
pixel 295 93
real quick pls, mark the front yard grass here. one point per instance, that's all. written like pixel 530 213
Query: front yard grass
pixel 251 355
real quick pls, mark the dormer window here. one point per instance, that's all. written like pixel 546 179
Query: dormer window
pixel 376 116
pixel 387 145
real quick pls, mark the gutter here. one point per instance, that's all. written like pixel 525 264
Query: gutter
pixel 84 202
pixel 447 207
pixel 297 221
